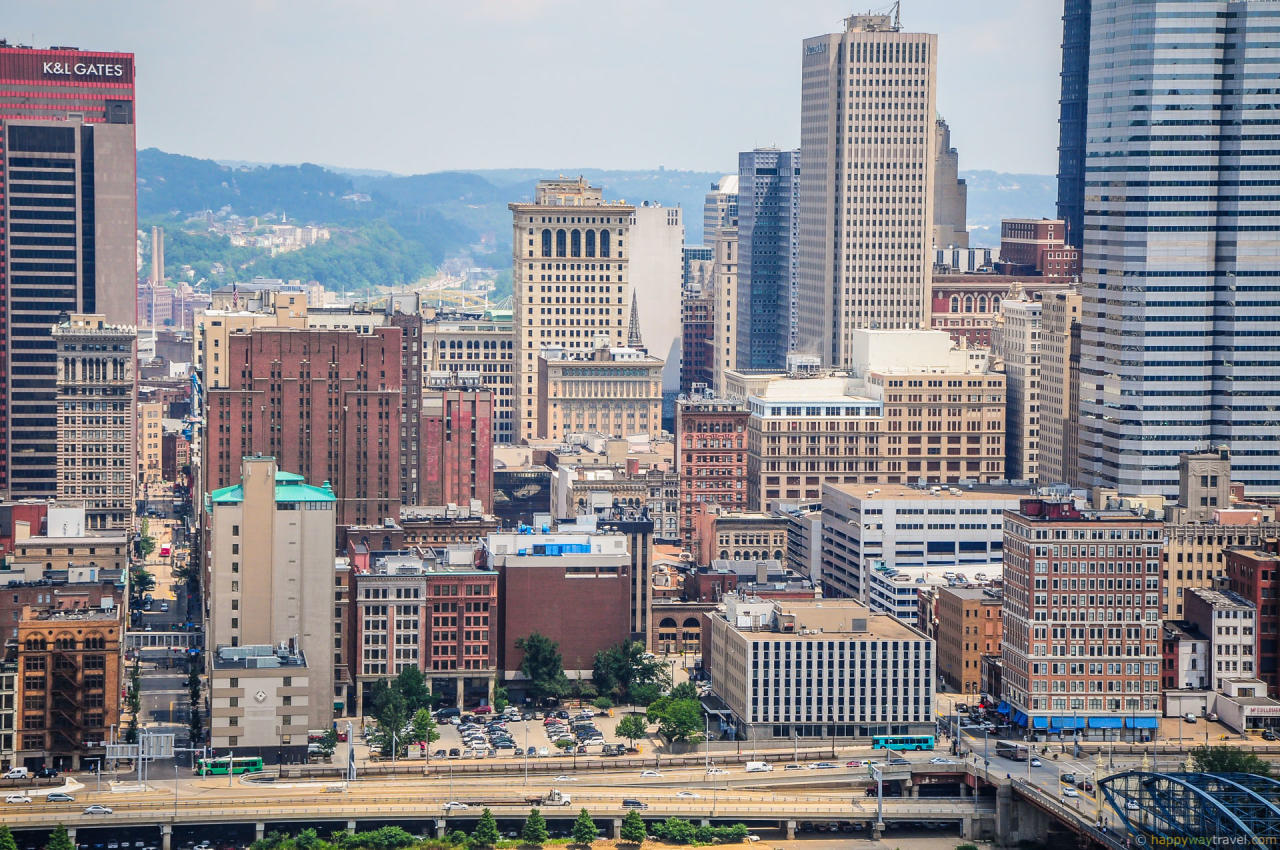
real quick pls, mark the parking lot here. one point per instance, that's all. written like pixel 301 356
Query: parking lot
pixel 509 735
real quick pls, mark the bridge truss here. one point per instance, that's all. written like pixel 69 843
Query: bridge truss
pixel 1190 809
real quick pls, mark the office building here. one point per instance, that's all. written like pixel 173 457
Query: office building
pixel 867 113
pixel 97 458
pixel 615 391
pixel 1017 345
pixel 722 534
pixel 150 419
pixel 402 312
pixel 768 221
pixel 1253 572
pixel 457 440
pixel 639 530
pixel 710 458
pixel 270 590
pixel 720 208
pixel 968 627
pixel 936 531
pixel 655 261
pixel 483 344
pixel 1072 117
pixel 1229 622
pixel 570 266
pixel 818 669
pixel 8 713
pixel 1187 279
pixel 1082 636
pixel 950 194
pixel 1060 387
pixel 434 610
pixel 967 305
pixel 724 310
pixel 1037 246
pixel 68 213
pixel 697 306
pixel 323 402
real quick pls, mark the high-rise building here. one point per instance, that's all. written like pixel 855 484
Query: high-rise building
pixel 950 193
pixel 1072 118
pixel 768 207
pixel 571 252
pixel 1060 387
pixel 1082 637
pixel 1253 572
pixel 68 219
pixel 1017 344
pixel 655 258
pixel 867 116
pixel 720 207
pixel 968 627
pixel 457 444
pixel 97 452
pixel 724 311
pixel 711 459
pixel 1180 336
pixel 697 318
pixel 324 402
pixel 478 344
pixel 403 313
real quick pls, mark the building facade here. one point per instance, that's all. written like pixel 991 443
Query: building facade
pixel 465 343
pixel 1017 345
pixel 950 194
pixel 1229 622
pixel 97 458
pixel 612 390
pixel 768 221
pixel 724 312
pixel 1060 387
pixel 1073 104
pixel 457 445
pixel 1253 573
pixel 867 113
pixel 710 457
pixel 968 627
pixel 655 261
pixel 1037 246
pixel 697 319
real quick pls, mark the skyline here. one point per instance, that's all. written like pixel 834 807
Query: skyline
pixel 224 96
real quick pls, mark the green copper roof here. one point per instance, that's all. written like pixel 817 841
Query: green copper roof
pixel 281 475
pixel 288 489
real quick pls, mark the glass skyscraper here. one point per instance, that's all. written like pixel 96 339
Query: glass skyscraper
pixel 768 210
pixel 1181 327
pixel 1071 121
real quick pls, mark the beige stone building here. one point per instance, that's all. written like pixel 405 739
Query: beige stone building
pixel 1060 387
pixel 569 267
pixel 613 391
pixel 480 344
pixel 96 400
pixel 1016 343
pixel 150 444
pixel 724 333
pixel 270 584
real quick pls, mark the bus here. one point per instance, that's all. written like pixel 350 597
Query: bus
pixel 223 765
pixel 1014 752
pixel 902 742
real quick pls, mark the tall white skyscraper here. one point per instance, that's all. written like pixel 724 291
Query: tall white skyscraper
pixel 1180 340
pixel 866 183
pixel 656 269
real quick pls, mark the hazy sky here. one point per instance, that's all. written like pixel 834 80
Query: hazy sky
pixel 428 85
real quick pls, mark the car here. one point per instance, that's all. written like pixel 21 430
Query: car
pixel 650 773
pixel 629 803
pixel 454 805
pixel 439 754
pixel 752 838
pixel 17 798
pixel 562 714
pixel 60 797
pixel 483 709
pixel 688 795
pixel 1190 717
pixel 566 778
pixel 716 771
pixel 940 760
pixel 95 809
pixel 543 752
pixel 455 753
pixel 531 752
pixel 47 773
pixel 1268 735
pixel 853 763
pixel 1068 791
pixel 164 606
pixel 962 708
pixel 1131 805
pixel 115 845
pixel 203 845
pixel 793 767
pixel 1069 778
pixel 1036 763
pixel 822 765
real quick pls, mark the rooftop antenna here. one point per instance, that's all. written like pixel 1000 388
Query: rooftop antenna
pixel 897 14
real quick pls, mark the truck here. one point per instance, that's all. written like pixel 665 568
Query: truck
pixel 1014 752
pixel 758 767
pixel 554 797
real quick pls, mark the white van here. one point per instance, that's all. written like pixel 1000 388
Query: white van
pixel 17 773
pixel 759 767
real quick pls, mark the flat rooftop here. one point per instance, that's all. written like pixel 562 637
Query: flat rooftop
pixel 904 492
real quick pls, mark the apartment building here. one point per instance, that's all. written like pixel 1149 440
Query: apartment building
pixel 969 626
pixel 1017 345
pixel 1229 622
pixel 1060 387
pixel 710 458
pixel 475 343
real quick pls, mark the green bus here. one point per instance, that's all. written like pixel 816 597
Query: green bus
pixel 902 742
pixel 222 766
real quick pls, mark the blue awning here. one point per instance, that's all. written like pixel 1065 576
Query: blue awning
pixel 1142 722
pixel 1003 708
pixel 1019 718
pixel 1069 722
pixel 1105 723
pixel 1040 722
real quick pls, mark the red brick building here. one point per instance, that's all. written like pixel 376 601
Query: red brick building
pixel 1037 246
pixel 966 305
pixel 1254 573
pixel 324 403
pixel 410 325
pixel 30 516
pixel 711 458
pixel 456 451
pixel 697 327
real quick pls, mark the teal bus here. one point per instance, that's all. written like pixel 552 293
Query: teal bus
pixel 222 766
pixel 902 742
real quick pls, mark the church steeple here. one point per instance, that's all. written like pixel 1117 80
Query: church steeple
pixel 634 340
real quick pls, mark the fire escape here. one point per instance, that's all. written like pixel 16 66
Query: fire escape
pixel 65 717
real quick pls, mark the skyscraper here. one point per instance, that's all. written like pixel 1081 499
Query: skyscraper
pixel 1180 341
pixel 768 207
pixel 655 271
pixel 1071 121
pixel 719 208
pixel 68 215
pixel 950 193
pixel 867 115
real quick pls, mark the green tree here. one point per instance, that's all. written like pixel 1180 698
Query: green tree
pixel 6 839
pixel 195 726
pixel 584 829
pixel 145 543
pixel 59 840
pixel 308 839
pixel 534 831
pixel 1228 760
pixel 423 728
pixel 392 715
pixel 140 581
pixel 684 690
pixel 633 828
pixel 412 685
pixel 501 699
pixel 486 833
pixel 681 720
pixel 632 728
pixel 543 665
pixel 644 693
pixel 329 742
pixel 620 669
pixel 657 708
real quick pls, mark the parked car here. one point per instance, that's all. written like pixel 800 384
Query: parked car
pixel 483 709
pixel 634 804
pixel 1268 735
pixel 822 765
pixel 47 773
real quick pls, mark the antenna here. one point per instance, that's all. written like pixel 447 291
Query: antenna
pixel 897 14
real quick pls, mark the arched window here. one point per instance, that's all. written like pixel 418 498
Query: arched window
pixel 982 303
pixel 995 303
pixel 575 243
pixel 777 554
pixel 604 243
pixel 724 554
pixel 968 303
pixel 955 301
pixel 561 237
pixel 591 243
pixel 546 242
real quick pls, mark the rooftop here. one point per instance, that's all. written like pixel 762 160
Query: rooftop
pixel 257 657
pixel 989 595
pixel 77 615
pixel 289 488
pixel 941 492
pixel 1221 598
pixel 815 619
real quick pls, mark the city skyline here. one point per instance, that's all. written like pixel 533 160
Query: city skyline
pixel 225 96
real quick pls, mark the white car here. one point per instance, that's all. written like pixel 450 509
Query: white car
pixel 688 795
pixel 1035 762
pixel 650 773
pixel 566 778
pixel 95 809
pixel 1068 791
pixel 940 760
pixel 454 805
pixel 716 771
pixel 17 798
pixel 543 752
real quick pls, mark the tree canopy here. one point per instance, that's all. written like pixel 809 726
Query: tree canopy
pixel 628 673
pixel 1228 760
pixel 543 665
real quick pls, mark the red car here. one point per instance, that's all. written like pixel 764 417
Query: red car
pixel 484 709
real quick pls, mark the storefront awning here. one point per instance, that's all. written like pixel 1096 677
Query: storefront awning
pixel 1019 718
pixel 1040 722
pixel 1142 722
pixel 1003 708
pixel 1105 723
pixel 1069 722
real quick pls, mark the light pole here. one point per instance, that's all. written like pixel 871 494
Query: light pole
pixel 706 718
pixel 878 774
pixel 526 752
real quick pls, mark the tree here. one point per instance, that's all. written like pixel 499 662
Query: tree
pixel 486 834
pixel 140 581
pixel 684 690
pixel 6 839
pixel 412 685
pixel 145 543
pixel 632 728
pixel 422 727
pixel 501 699
pixel 584 829
pixel 59 840
pixel 681 720
pixel 1228 760
pixel 534 831
pixel 329 742
pixel 633 828
pixel 543 665
pixel 195 727
pixel 392 715
pixel 620 669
